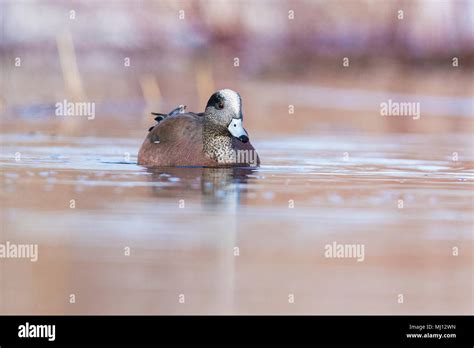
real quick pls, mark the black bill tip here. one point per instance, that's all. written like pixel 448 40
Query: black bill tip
pixel 244 138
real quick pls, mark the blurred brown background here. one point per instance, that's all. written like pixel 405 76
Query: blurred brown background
pixel 290 53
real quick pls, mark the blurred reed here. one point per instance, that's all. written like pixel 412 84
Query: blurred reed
pixel 74 89
pixel 204 81
pixel 152 96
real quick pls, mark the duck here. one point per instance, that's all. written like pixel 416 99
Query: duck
pixel 213 138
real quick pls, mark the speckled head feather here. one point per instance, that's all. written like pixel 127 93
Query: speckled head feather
pixel 226 104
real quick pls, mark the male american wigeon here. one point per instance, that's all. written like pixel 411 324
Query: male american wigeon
pixel 213 138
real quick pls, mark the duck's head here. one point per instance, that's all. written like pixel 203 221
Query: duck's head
pixel 224 108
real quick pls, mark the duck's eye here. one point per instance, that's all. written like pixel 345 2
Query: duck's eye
pixel 220 105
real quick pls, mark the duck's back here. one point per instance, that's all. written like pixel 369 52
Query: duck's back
pixel 175 141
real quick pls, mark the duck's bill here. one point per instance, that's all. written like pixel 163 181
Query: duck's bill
pixel 237 130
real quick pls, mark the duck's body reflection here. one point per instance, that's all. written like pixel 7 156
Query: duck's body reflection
pixel 211 198
pixel 216 186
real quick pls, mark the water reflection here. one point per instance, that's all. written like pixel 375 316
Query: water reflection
pixel 238 247
pixel 215 186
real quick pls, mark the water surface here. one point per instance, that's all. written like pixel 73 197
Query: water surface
pixel 235 240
